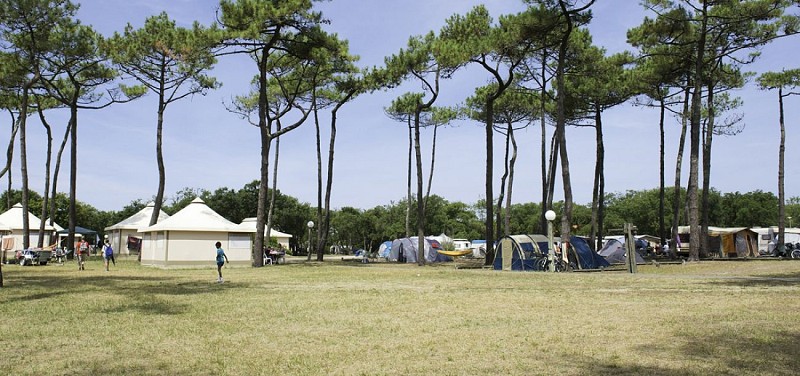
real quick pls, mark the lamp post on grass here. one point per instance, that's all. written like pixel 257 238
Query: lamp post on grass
pixel 310 225
pixel 790 220
pixel 550 216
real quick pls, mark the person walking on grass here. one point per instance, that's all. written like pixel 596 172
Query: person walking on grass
pixel 83 254
pixel 108 254
pixel 222 258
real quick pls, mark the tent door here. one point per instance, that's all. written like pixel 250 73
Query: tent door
pixel 508 253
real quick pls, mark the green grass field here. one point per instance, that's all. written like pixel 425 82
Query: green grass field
pixel 337 318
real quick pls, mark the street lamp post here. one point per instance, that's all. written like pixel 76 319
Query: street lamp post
pixel 310 225
pixel 790 220
pixel 550 216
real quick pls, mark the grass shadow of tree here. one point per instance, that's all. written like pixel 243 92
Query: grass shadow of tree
pixel 729 353
pixel 143 294
pixel 782 279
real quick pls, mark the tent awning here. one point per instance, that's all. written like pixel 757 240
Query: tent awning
pixel 79 230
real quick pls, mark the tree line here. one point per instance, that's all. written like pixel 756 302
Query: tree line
pixel 542 64
pixel 355 228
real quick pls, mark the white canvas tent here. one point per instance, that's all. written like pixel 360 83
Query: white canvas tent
pixel 11 223
pixel 118 234
pixel 187 239
pixel 249 225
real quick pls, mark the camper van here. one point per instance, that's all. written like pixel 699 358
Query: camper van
pixel 767 236
pixel 459 244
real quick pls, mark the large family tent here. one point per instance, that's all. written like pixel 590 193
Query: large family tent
pixel 726 242
pixel 585 258
pixel 615 253
pixel 187 239
pixel 405 250
pixel 517 252
pixel 11 223
pixel 249 225
pixel 119 235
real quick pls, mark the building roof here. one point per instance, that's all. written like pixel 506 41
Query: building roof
pixel 12 219
pixel 139 220
pixel 249 225
pixel 55 225
pixel 198 217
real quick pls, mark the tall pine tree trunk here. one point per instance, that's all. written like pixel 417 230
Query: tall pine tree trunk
pixel 511 163
pixel 420 199
pixel 23 161
pixel 272 192
pixel 408 177
pixel 488 225
pixel 781 154
pixel 661 173
pixel 543 145
pixel 54 188
pixel 433 160
pixel 319 164
pixel 694 149
pixel 566 216
pixel 48 157
pixel 709 137
pixel 266 142
pixel 325 228
pixel 598 196
pixel 73 174
pixel 500 230
pixel 162 175
pixel 676 200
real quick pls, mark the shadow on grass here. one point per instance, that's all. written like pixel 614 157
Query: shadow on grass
pixel 142 294
pixel 726 354
pixel 149 305
pixel 782 279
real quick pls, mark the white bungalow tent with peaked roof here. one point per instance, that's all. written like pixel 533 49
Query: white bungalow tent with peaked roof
pixel 187 239
pixel 249 225
pixel 12 221
pixel 118 234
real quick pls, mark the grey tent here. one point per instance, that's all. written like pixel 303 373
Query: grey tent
pixel 405 250
pixel 614 252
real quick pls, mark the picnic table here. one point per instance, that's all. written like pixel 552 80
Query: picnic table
pixel 273 257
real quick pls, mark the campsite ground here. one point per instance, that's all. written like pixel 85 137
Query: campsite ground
pixel 350 318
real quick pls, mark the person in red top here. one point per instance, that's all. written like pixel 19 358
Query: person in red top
pixel 83 254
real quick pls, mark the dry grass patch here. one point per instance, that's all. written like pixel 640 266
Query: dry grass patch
pixel 386 319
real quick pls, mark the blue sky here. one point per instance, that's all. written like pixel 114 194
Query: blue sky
pixel 207 147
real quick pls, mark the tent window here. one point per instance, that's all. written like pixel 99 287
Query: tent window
pixel 239 241
pixel 159 241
